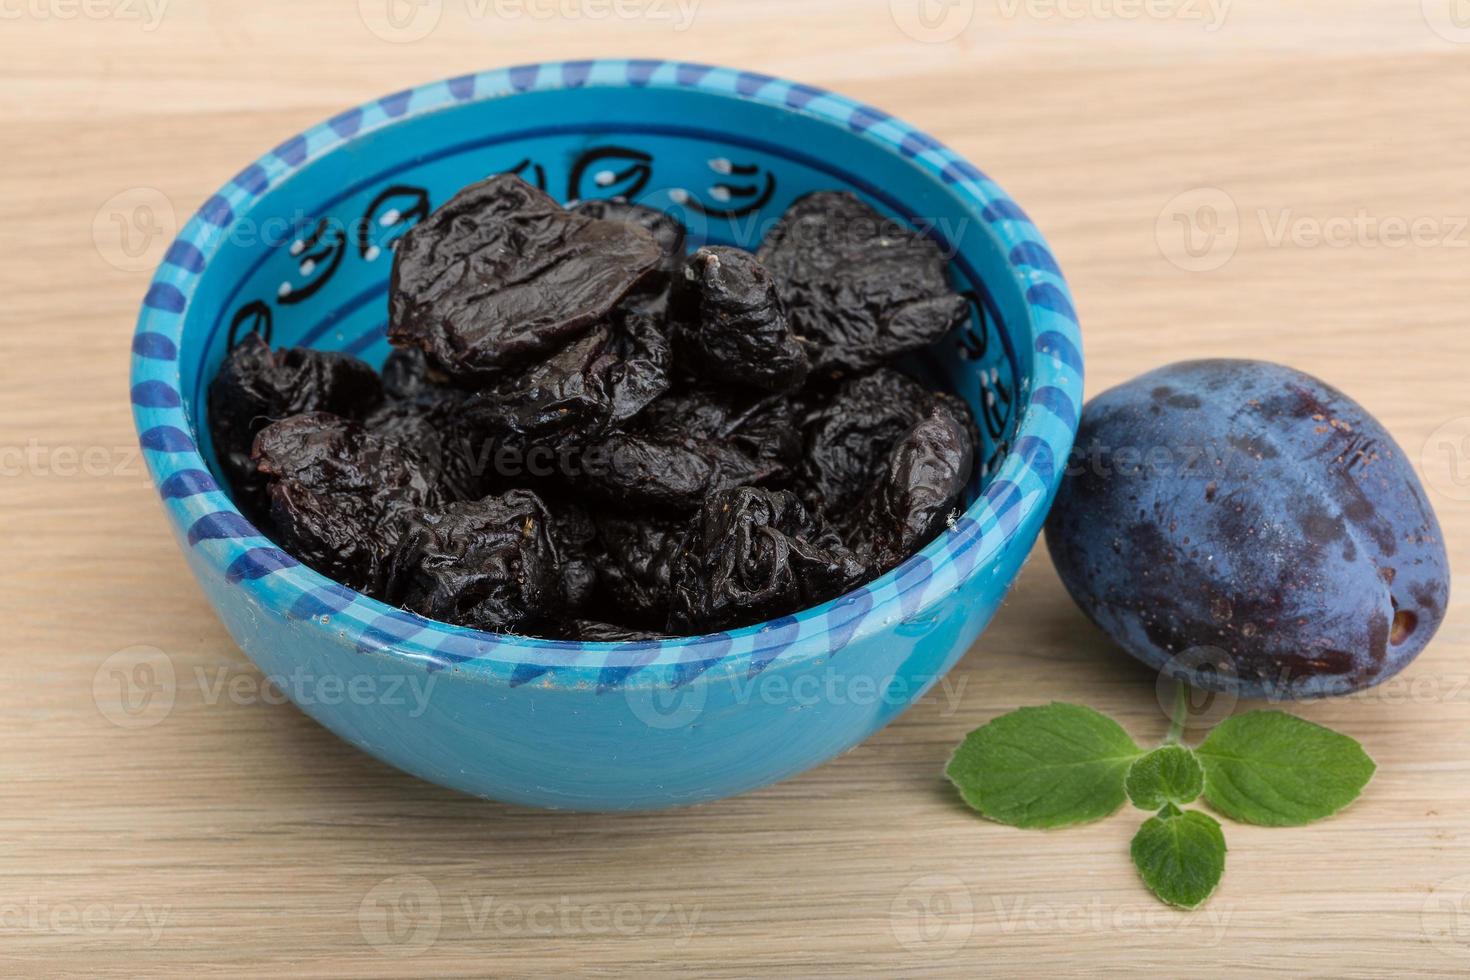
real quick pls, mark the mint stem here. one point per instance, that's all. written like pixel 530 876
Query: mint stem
pixel 1180 714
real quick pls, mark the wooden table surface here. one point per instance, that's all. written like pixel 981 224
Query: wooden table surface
pixel 1315 151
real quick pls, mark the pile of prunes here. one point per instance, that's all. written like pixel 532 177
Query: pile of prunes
pixel 585 433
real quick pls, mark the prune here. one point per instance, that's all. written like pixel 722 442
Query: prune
pixel 925 476
pixel 635 557
pixel 488 564
pixel 340 493
pixel 502 275
pixel 728 323
pixel 430 418
pixel 754 554
pixel 666 229
pixel 574 533
pixel 407 377
pixel 689 446
pixel 256 386
pixel 849 436
pixel 858 288
pixel 592 631
pixel 1247 527
pixel 546 356
pixel 599 380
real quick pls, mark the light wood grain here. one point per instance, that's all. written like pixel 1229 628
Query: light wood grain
pixel 254 839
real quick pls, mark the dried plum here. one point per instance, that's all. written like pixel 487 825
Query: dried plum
pixel 488 564
pixel 340 493
pixel 547 356
pixel 849 436
pixel 729 326
pixel 599 380
pixel 690 445
pixel 923 481
pixel 257 386
pixel 666 229
pixel 754 554
pixel 635 557
pixel 502 275
pixel 858 287
pixel 593 631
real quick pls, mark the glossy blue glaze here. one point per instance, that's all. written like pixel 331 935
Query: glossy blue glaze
pixel 298 247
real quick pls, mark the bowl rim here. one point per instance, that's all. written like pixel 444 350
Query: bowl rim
pixel 1011 507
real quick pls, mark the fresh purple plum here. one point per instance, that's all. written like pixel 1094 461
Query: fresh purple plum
pixel 1249 528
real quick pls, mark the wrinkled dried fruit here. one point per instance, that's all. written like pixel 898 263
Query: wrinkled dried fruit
pixel 729 325
pixel 488 564
pixel 502 275
pixel 858 288
pixel 548 357
pixel 690 445
pixel 752 555
pixel 919 489
pixel 340 493
pixel 635 560
pixel 849 436
pixel 599 380
pixel 257 386
pixel 666 229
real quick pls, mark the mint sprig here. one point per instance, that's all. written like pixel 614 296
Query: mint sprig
pixel 1063 764
pixel 1051 766
pixel 1168 774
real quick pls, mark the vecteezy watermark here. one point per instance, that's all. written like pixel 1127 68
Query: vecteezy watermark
pixel 1445 916
pixel 148 13
pixel 1206 705
pixel 135 687
pixel 1198 230
pixel 663 707
pixel 1201 229
pixel 1019 914
pixel 35 915
pixel 1445 459
pixel 35 458
pixel 406 21
pixel 138 687
pixel 132 229
pixel 933 916
pixel 932 21
pixel 403 916
pixel 243 686
pixel 1210 14
pixel 1450 19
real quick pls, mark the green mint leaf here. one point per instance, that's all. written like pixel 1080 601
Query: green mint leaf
pixel 1180 855
pixel 1044 767
pixel 1168 774
pixel 1274 769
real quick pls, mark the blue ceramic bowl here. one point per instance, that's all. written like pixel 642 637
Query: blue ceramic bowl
pixel 296 247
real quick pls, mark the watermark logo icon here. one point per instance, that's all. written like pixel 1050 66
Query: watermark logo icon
pixel 401 916
pixel 1203 708
pixel 1445 917
pixel 400 21
pixel 132 229
pixel 932 21
pixel 1445 459
pixel 666 708
pixel 1199 229
pixel 1450 19
pixel 135 687
pixel 933 915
